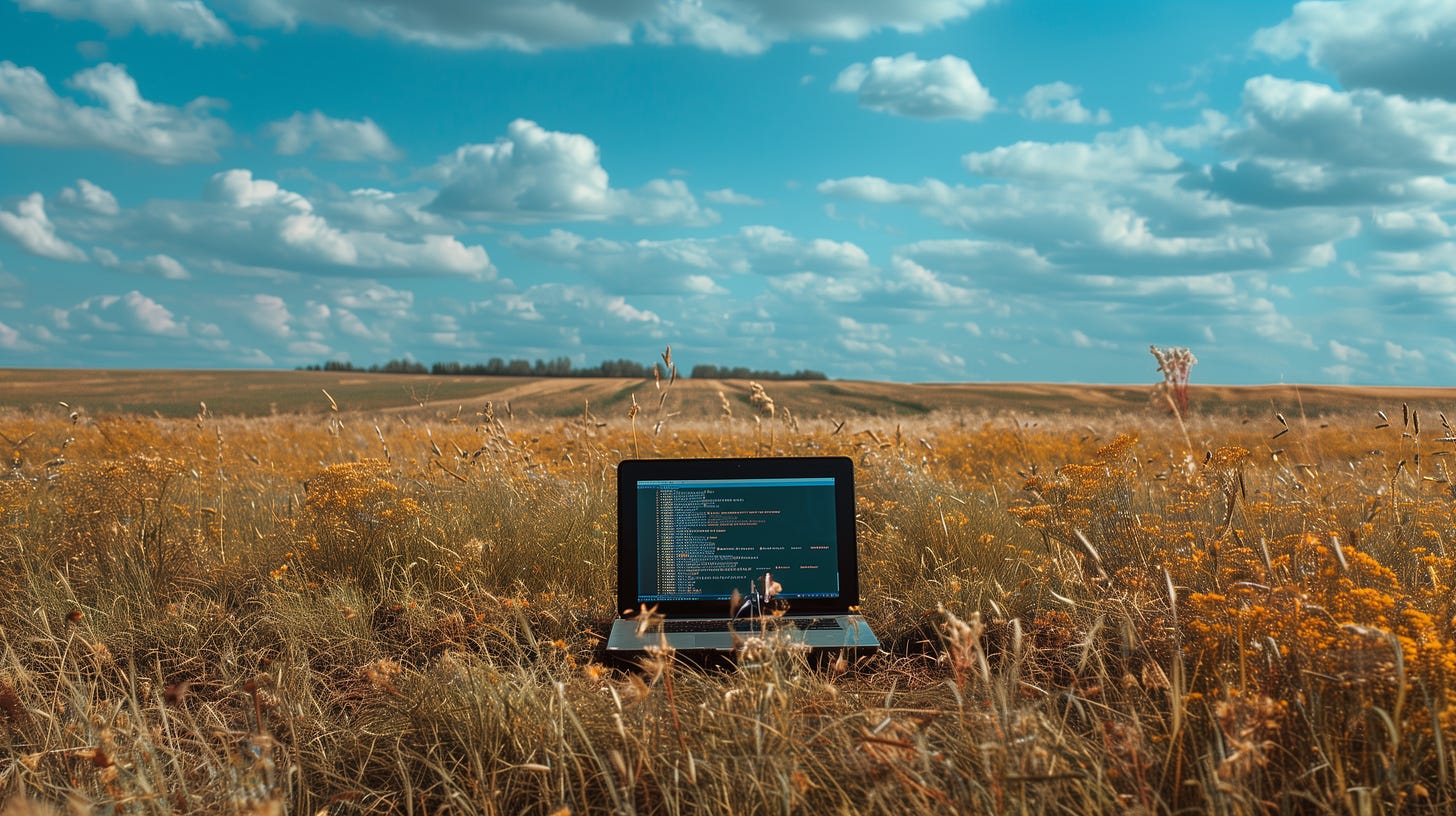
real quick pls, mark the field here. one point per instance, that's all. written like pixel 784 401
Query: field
pixel 387 600
pixel 178 394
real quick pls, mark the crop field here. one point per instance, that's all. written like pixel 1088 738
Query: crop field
pixel 1102 609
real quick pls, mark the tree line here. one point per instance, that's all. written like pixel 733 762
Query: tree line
pixel 559 367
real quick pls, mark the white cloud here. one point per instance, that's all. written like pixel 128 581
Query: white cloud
pixel 1212 126
pixel 238 189
pixel 351 325
pixel 695 265
pixel 1303 143
pixel 944 88
pixel 1406 47
pixel 751 26
pixel 375 298
pixel 35 233
pixel 522 25
pixel 1346 354
pixel 1058 102
pixel 375 209
pixel 817 289
pixel 618 307
pixel 731 26
pixel 730 197
pixel 269 314
pixel 90 197
pixel 1415 295
pixel 10 340
pixel 534 174
pixel 165 266
pixel 1089 226
pixel 865 338
pixel 32 113
pixel 549 319
pixel 1027 287
pixel 1363 128
pixel 256 224
pixel 912 284
pixel 339 139
pixel 151 316
pixel 1397 353
pixel 1412 223
pixel 1123 156
pixel 189 19
pixel 132 312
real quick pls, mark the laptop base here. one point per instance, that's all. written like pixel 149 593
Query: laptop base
pixel 851 635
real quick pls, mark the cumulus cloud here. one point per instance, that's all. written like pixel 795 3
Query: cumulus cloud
pixel 1109 305
pixel 32 113
pixel 1123 156
pixel 695 266
pixel 10 340
pixel 857 338
pixel 1405 47
pixel 1363 128
pixel 522 25
pixel 1346 354
pixel 1415 294
pixel 374 209
pixel 1304 143
pixel 167 267
pixel 751 26
pixel 32 229
pixel 1418 227
pixel 91 198
pixel 944 88
pixel 548 319
pixel 534 174
pixel 132 312
pixel 191 20
pixel 911 284
pixel 338 139
pixel 269 314
pixel 731 26
pixel 1396 353
pixel 1088 226
pixel 1058 102
pixel 256 223
pixel 730 197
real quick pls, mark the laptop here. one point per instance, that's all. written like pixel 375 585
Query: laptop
pixel 729 549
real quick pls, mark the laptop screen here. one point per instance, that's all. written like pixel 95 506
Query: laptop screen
pixel 695 531
pixel 702 539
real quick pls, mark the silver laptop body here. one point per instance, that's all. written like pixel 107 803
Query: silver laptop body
pixel 719 552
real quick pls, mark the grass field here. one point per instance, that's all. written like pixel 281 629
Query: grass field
pixel 1088 606
pixel 178 394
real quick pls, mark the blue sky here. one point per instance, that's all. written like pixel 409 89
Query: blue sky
pixel 912 190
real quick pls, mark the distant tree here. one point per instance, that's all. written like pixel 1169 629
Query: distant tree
pixel 401 367
pixel 712 372
pixel 559 367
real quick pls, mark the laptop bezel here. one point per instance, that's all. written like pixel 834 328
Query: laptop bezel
pixel 632 471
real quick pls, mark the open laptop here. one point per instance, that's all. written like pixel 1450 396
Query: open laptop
pixel 707 541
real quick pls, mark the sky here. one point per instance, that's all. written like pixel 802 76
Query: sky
pixel 905 190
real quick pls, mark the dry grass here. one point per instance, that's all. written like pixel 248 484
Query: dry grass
pixel 350 613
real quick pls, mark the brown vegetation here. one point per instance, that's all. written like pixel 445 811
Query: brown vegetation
pixel 1083 612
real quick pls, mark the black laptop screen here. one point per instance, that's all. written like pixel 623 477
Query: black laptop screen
pixel 702 539
pixel 691 531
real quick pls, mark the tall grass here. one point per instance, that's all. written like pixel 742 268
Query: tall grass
pixel 403 614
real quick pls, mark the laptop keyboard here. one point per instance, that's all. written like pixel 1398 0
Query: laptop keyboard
pixel 746 626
